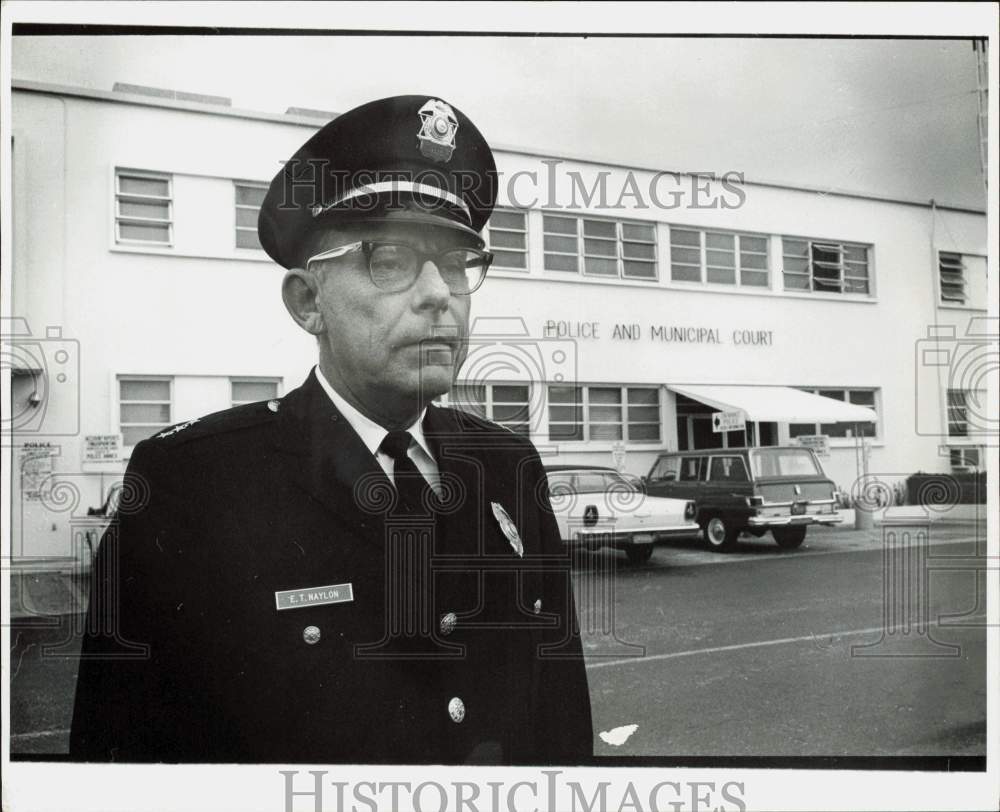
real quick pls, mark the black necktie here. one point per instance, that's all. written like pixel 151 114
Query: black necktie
pixel 415 495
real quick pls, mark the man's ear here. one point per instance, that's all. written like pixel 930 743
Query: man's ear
pixel 299 291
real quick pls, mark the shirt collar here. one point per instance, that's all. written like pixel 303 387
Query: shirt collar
pixel 370 432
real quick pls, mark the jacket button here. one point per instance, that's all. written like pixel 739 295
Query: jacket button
pixel 311 635
pixel 448 623
pixel 456 710
pixel 538 606
pixel 274 405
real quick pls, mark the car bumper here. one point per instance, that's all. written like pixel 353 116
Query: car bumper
pixel 792 521
pixel 623 538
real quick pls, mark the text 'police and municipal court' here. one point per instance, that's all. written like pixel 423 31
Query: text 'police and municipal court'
pixel 634 331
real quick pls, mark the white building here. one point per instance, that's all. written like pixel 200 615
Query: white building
pixel 625 307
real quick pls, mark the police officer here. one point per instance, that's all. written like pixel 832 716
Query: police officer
pixel 348 574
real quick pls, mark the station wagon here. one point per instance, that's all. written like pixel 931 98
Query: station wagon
pixel 781 489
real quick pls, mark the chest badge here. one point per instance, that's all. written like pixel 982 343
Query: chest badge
pixel 508 528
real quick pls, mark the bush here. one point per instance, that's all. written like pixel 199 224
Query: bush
pixel 940 490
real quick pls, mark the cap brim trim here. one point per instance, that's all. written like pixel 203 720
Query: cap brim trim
pixel 397 186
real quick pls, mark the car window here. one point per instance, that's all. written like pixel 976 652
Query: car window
pixel 690 469
pixel 783 462
pixel 727 469
pixel 667 468
pixel 617 483
pixel 590 482
pixel 560 482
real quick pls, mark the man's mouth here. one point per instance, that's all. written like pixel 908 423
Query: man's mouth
pixel 438 350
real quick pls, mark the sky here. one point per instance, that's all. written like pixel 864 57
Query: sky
pixel 894 118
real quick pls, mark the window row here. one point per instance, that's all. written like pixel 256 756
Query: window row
pixel 146 405
pixel 628 250
pixel 144 209
pixel 595 413
pixel 632 414
pixel 588 246
pixel 575 413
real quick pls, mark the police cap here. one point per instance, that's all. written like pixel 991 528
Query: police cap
pixel 412 158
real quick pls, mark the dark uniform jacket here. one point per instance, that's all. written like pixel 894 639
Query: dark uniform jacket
pixel 446 647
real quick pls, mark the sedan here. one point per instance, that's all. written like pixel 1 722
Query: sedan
pixel 598 507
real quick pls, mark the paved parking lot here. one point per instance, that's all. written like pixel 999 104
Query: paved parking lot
pixel 765 652
pixel 760 652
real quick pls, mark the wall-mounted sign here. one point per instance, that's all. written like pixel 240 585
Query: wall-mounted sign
pixel 662 333
pixel 728 421
pixel 618 455
pixel 819 443
pixel 36 469
pixel 102 448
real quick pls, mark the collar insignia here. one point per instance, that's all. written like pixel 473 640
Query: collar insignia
pixel 176 429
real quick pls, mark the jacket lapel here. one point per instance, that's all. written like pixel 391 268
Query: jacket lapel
pixel 461 458
pixel 325 457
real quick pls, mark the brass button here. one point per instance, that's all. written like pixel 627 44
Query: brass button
pixel 274 405
pixel 456 710
pixel 311 635
pixel 538 606
pixel 448 623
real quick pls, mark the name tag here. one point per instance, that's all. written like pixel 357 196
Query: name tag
pixel 314 596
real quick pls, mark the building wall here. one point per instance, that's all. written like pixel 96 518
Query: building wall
pixel 203 310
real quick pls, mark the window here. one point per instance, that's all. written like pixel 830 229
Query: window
pixel 506 404
pixel 858 397
pixel 962 280
pixel 249 197
pixel 824 267
pixel 964 407
pixel 692 469
pixel 727 469
pixel 250 390
pixel 144 407
pixel 718 258
pixel 666 468
pixel 142 207
pixel 768 462
pixel 964 458
pixel 608 248
pixel 952 278
pixel 604 413
pixel 507 237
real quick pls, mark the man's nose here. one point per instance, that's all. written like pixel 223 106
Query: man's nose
pixel 433 291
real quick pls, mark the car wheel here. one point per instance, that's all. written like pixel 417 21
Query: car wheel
pixel 720 534
pixel 789 538
pixel 639 553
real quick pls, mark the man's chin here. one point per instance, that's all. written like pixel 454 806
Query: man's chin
pixel 434 381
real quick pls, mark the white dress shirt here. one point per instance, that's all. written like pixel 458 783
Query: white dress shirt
pixel 372 435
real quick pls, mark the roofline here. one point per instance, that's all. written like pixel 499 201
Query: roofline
pixel 32 86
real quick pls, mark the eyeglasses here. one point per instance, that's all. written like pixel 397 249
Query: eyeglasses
pixel 395 266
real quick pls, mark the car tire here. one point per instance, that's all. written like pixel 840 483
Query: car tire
pixel 720 534
pixel 639 553
pixel 789 538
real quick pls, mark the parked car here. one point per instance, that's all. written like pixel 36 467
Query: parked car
pixel 781 489
pixel 598 507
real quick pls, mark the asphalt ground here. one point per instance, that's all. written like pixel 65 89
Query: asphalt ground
pixel 821 651
pixel 760 652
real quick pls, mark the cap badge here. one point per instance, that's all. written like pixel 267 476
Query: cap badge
pixel 438 126
pixel 508 528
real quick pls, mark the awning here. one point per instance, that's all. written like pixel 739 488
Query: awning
pixel 780 404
